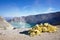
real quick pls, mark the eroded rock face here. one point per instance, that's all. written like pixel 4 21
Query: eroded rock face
pixel 4 24
pixel 52 18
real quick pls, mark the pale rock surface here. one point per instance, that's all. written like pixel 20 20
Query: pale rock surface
pixel 4 24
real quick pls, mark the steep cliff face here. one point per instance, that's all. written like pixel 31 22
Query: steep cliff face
pixel 52 18
pixel 4 24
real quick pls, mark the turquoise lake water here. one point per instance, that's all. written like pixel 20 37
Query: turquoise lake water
pixel 21 25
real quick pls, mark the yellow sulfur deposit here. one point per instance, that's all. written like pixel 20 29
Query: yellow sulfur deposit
pixel 32 34
pixel 40 28
pixel 52 29
pixel 46 24
pixel 37 32
pixel 44 29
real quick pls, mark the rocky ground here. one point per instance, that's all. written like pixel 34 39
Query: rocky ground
pixel 21 34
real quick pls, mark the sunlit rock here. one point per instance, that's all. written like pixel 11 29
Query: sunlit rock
pixel 38 29
pixel 4 24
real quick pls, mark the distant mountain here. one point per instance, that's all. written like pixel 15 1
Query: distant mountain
pixel 52 18
pixel 8 18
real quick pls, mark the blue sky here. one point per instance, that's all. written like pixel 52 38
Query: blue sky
pixel 11 8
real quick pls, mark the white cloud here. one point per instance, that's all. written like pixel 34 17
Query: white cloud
pixel 49 10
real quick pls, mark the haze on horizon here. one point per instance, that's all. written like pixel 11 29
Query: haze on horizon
pixel 12 8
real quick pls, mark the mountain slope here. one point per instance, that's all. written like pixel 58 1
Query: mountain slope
pixel 52 18
pixel 4 24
